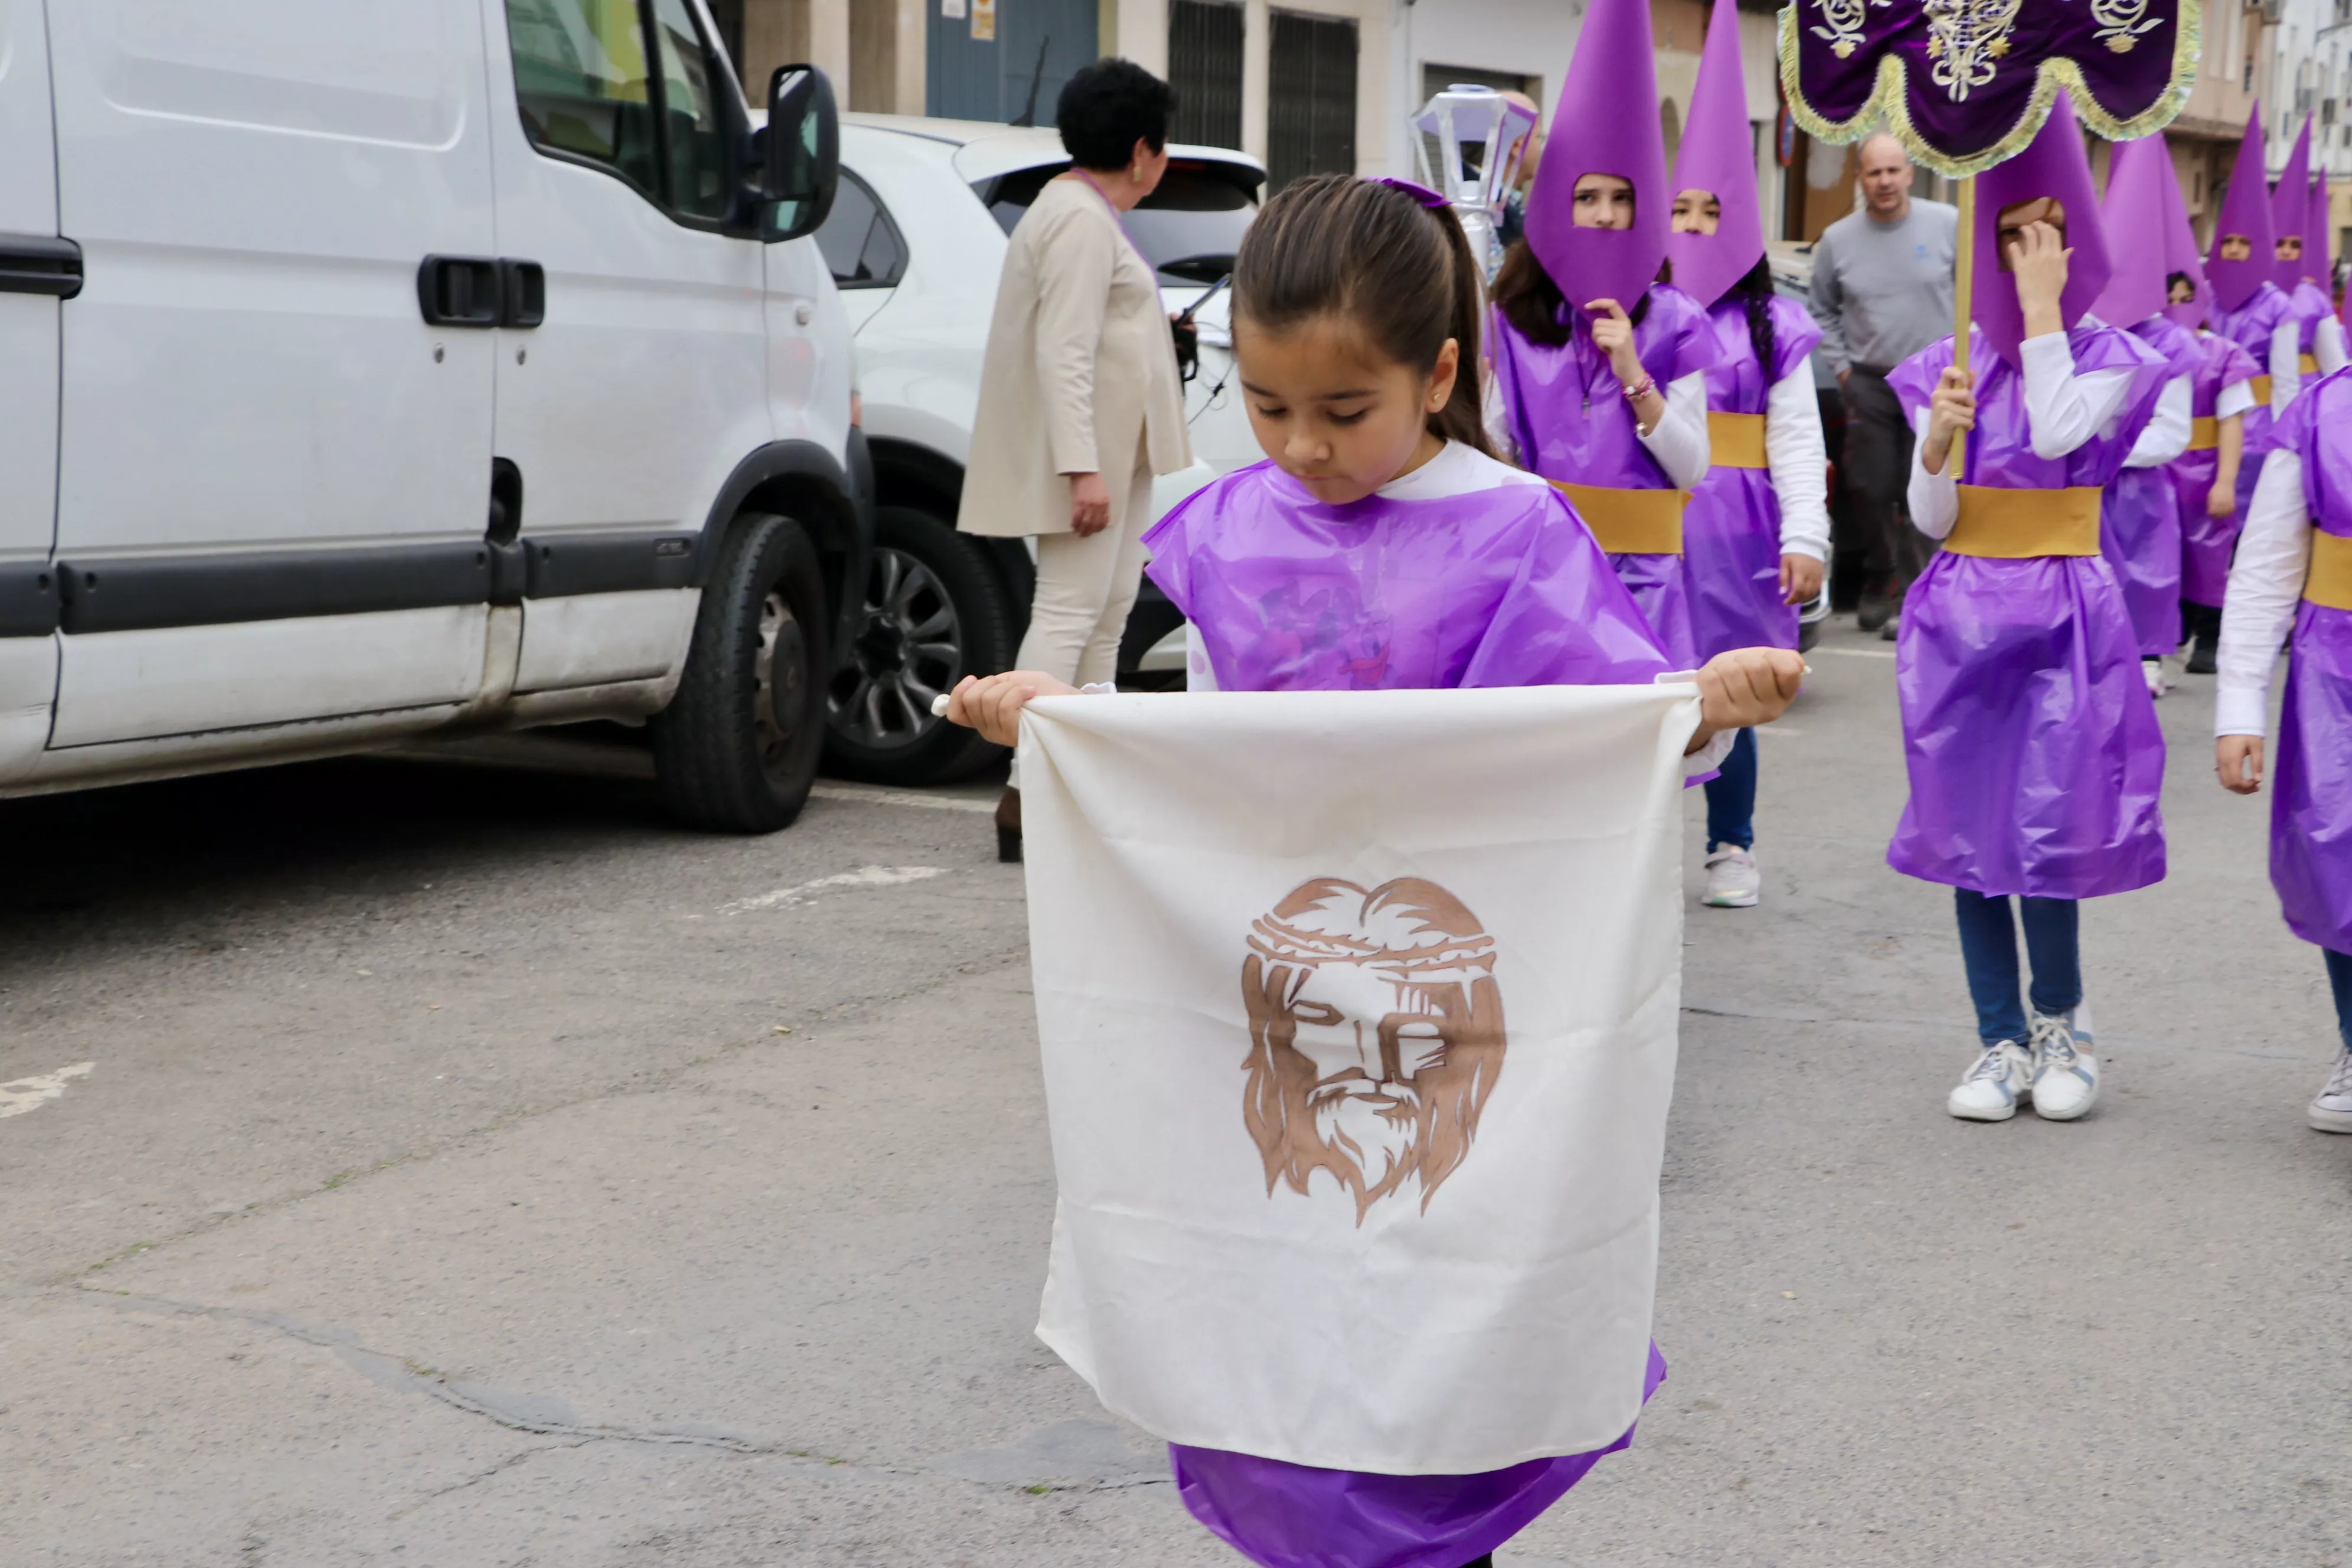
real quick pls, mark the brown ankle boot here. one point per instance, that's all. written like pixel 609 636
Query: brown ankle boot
pixel 1008 827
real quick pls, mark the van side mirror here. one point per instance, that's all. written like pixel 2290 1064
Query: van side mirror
pixel 801 151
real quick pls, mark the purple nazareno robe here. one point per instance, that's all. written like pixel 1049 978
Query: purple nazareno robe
pixel 1496 587
pixel 2034 757
pixel 2250 327
pixel 2139 516
pixel 1731 530
pixel 2309 306
pixel 2311 777
pixel 1571 424
pixel 2207 542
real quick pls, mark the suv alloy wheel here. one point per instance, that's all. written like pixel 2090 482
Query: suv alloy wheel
pixel 934 613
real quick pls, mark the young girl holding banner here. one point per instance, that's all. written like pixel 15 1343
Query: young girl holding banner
pixel 1383 546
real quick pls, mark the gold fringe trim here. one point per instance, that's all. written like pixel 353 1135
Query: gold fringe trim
pixel 1888 107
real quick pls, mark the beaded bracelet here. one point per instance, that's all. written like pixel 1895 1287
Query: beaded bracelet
pixel 1641 389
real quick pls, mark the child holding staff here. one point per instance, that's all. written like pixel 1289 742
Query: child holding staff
pixel 2035 756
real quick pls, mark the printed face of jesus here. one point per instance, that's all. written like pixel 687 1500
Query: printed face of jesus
pixel 1368 1042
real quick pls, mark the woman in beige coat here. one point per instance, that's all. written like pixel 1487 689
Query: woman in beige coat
pixel 1080 404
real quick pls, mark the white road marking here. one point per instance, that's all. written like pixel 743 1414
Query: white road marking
pixel 863 877
pixel 20 1095
pixel 1859 652
pixel 871 795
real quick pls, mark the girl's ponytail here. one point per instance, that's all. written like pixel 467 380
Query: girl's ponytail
pixel 1380 255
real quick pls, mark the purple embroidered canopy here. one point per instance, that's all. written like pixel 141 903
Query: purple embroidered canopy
pixel 1964 84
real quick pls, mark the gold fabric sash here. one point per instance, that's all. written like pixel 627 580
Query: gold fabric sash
pixel 2204 433
pixel 1631 523
pixel 1736 440
pixel 2017 524
pixel 2260 387
pixel 2330 583
pixel 2307 364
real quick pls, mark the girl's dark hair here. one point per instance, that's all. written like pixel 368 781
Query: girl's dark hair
pixel 1109 106
pixel 2172 277
pixel 1332 245
pixel 1755 288
pixel 1530 301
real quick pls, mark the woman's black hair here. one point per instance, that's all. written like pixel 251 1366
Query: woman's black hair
pixel 1332 245
pixel 2172 277
pixel 1530 301
pixel 1755 288
pixel 1109 106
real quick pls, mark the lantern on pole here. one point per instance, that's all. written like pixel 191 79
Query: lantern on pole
pixel 1480 138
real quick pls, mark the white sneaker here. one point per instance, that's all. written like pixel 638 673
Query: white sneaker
pixel 2332 1110
pixel 1733 882
pixel 1993 1086
pixel 2066 1073
pixel 2154 670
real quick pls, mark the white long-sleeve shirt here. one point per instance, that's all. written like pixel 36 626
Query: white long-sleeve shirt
pixel 1798 460
pixel 1455 471
pixel 2265 584
pixel 2062 410
pixel 2328 346
pixel 2286 364
pixel 2167 435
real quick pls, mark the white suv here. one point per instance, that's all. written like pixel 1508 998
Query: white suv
pixel 915 240
pixel 376 372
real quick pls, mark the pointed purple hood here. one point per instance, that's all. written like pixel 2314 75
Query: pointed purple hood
pixel 2181 255
pixel 2290 207
pixel 1606 124
pixel 2137 174
pixel 2052 164
pixel 1718 156
pixel 2246 210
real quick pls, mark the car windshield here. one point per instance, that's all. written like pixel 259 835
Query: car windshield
pixel 1189 228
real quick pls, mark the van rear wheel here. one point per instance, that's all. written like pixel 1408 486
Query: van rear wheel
pixel 736 750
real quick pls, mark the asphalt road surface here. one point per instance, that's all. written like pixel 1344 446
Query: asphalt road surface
pixel 440 1166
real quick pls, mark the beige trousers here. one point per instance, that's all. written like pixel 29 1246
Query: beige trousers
pixel 1085 588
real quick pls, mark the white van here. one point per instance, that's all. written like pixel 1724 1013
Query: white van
pixel 369 372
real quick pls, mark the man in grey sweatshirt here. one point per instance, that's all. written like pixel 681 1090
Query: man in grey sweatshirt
pixel 1883 291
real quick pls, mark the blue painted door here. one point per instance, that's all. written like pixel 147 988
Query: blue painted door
pixel 980 77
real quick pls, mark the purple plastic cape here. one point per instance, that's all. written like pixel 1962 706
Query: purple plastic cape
pixel 2315 267
pixel 2310 775
pixel 2139 516
pixel 1283 1515
pixel 2052 164
pixel 2207 542
pixel 2033 746
pixel 2290 207
pixel 1592 133
pixel 2245 210
pixel 2250 327
pixel 1498 587
pixel 1718 156
pixel 2181 255
pixel 2138 173
pixel 1731 530
pixel 1568 418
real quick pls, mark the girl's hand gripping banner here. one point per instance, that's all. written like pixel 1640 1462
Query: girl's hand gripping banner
pixel 1359 1015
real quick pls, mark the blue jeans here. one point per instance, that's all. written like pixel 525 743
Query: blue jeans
pixel 1731 797
pixel 2339 981
pixel 1988 951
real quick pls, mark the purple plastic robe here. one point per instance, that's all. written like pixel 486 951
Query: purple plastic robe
pixel 2250 327
pixel 2207 542
pixel 2139 517
pixel 1731 532
pixel 1571 422
pixel 1498 587
pixel 2033 746
pixel 2311 777
pixel 2309 307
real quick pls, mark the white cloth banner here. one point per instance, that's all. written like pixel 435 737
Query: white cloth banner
pixel 1358 1020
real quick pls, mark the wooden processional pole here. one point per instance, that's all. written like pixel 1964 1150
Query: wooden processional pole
pixel 1964 267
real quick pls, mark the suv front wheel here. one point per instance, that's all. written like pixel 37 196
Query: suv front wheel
pixel 934 613
pixel 737 749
